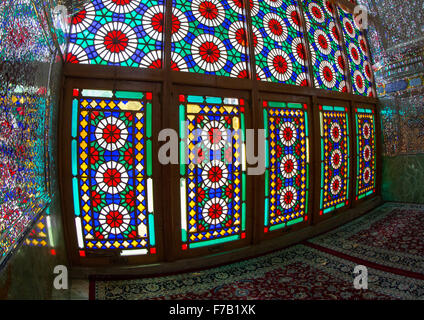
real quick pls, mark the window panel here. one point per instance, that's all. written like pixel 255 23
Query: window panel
pixel 210 37
pixel 358 56
pixel 335 154
pixel 279 49
pixel 112 171
pixel 122 33
pixel 366 155
pixel 213 170
pixel 287 164
pixel 328 61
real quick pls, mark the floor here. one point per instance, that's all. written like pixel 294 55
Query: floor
pixel 389 242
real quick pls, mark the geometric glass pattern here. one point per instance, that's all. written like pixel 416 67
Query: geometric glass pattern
pixel 335 154
pixel 38 235
pixel 328 62
pixel 287 164
pixel 118 32
pixel 357 51
pixel 23 189
pixel 212 169
pixel 112 171
pixel 279 49
pixel 209 37
pixel 366 157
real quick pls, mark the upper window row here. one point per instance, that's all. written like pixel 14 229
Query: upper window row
pixel 211 37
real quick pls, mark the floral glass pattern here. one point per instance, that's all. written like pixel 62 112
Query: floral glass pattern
pixel 213 170
pixel 328 61
pixel 358 56
pixel 277 37
pixel 118 32
pixel 209 37
pixel 365 152
pixel 287 164
pixel 335 152
pixel 112 171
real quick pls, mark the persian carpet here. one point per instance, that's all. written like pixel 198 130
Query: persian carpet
pixel 298 272
pixel 391 236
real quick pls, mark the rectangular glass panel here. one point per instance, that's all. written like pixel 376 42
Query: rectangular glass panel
pixel 212 185
pixel 335 154
pixel 287 180
pixel 113 187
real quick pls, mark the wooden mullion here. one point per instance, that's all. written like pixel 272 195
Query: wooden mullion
pixel 253 122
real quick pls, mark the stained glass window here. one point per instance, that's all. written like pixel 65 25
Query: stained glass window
pixel 328 62
pixel 287 164
pixel 209 36
pixel 38 237
pixel 357 50
pixel 112 171
pixel 118 32
pixel 365 157
pixel 23 193
pixel 335 153
pixel 279 49
pixel 213 170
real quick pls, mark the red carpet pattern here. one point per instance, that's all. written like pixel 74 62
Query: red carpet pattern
pixel 391 236
pixel 298 272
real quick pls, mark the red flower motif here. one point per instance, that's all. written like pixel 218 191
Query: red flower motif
pixel 128 156
pixel 112 177
pixel 215 174
pixel 241 37
pixel 328 74
pixel 275 27
pixel 348 27
pixel 300 50
pixel 116 41
pixel 359 82
pixel 209 52
pixel 156 64
pixel 157 22
pixel 280 64
pixel 215 211
pixel 354 53
pixel 279 184
pixel 208 10
pixel 316 12
pixel 121 2
pixel 322 41
pixel 111 133
pixel 341 62
pixel 114 219
pixel 94 155
pixel 288 197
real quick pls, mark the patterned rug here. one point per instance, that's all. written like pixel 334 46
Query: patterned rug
pixel 391 236
pixel 389 241
pixel 299 272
